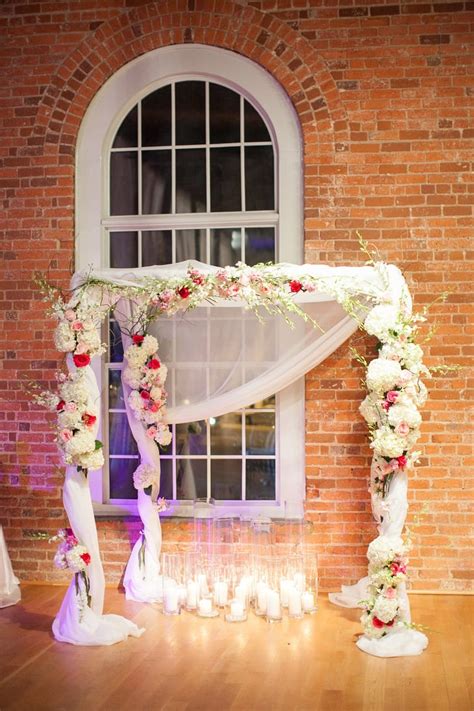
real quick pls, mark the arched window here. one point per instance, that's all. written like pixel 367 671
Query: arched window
pixel 193 152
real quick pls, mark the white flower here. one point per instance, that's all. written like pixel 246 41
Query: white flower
pixel 388 444
pixel 145 475
pixel 163 436
pixel 369 410
pixel 131 376
pixel 385 609
pixel 156 393
pixel 381 320
pixel 384 549
pixel 92 460
pixel 369 629
pixel 70 420
pixel 383 375
pixel 136 356
pixel 64 338
pixel 149 345
pixel 74 560
pixel 60 560
pixel 81 443
pixel 404 413
pixel 412 356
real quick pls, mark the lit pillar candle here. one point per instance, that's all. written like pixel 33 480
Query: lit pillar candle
pixel 221 593
pixel 241 594
pixel 273 605
pixel 294 603
pixel 307 600
pixel 236 608
pixel 170 601
pixel 300 581
pixel 205 606
pixel 262 592
pixel 182 594
pixel 202 582
pixel 285 586
pixel 191 595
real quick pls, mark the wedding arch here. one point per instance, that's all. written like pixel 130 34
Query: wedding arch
pixel 305 312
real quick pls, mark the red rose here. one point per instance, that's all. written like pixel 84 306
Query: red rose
pixel 145 394
pixel 137 339
pixel 86 558
pixel 377 623
pixel 60 406
pixel 184 292
pixel 154 364
pixel 386 405
pixel 389 624
pixel 402 461
pixel 88 420
pixel 295 286
pixel 81 360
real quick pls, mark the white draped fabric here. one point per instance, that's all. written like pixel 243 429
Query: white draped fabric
pixel 221 358
pixel 89 626
pixel 9 584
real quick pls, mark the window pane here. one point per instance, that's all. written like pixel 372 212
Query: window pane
pixel 191 438
pixel 225 179
pixel 127 135
pixel 255 129
pixel 259 245
pixel 124 183
pixel 116 401
pixel 120 437
pixel 259 180
pixel 260 433
pixel 268 402
pixel 191 244
pixel 156 182
pixel 191 180
pixel 156 248
pixel 190 113
pixel 166 478
pixel 115 343
pixel 156 118
pixel 191 478
pixel 260 479
pixel 226 246
pixel 121 478
pixel 124 249
pixel 226 479
pixel 226 434
pixel 224 105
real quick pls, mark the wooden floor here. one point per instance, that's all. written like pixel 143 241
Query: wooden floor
pixel 190 664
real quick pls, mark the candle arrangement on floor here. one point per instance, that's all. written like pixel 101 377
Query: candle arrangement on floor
pixel 236 565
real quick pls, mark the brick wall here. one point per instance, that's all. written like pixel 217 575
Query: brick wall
pixel 384 94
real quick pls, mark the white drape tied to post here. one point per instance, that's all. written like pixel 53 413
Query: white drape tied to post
pixel 90 626
pixel 9 584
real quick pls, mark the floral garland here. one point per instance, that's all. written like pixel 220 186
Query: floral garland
pixel 146 375
pixel 387 571
pixel 74 556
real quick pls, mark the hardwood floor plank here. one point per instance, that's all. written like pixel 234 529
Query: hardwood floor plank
pixel 185 663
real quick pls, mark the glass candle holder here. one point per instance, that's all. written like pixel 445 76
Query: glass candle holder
pixel 237 611
pixel 203 527
pixel 310 593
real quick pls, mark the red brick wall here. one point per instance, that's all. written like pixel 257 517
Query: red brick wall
pixel 383 92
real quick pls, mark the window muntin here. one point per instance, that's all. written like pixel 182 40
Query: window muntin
pixel 201 148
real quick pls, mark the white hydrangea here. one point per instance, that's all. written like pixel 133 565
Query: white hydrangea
pixel 369 410
pixel 149 345
pixel 404 413
pixel 131 376
pixel 75 390
pixel 82 443
pixel 74 560
pixel 383 549
pixel 385 609
pixel 92 460
pixel 145 475
pixel 412 355
pixel 163 435
pixel 381 320
pixel 156 393
pixel 70 420
pixel 136 402
pixel 64 338
pixel 388 444
pixel 383 375
pixel 369 629
pixel 91 339
pixel 136 356
pixel 417 392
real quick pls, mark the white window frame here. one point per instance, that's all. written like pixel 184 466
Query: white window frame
pixel 98 128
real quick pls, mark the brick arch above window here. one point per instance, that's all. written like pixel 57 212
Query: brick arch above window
pixel 266 40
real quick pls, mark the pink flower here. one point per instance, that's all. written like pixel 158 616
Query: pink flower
pixel 392 396
pixel 389 467
pixel 154 407
pixel 81 348
pixel 402 429
pixel 65 435
pixel 398 567
pixel 151 432
pixel 70 314
pixel 402 461
pixel 196 276
pixel 386 405
pixel 405 377
pixel 77 326
pixel 70 407
pixel 390 593
pixel 89 420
